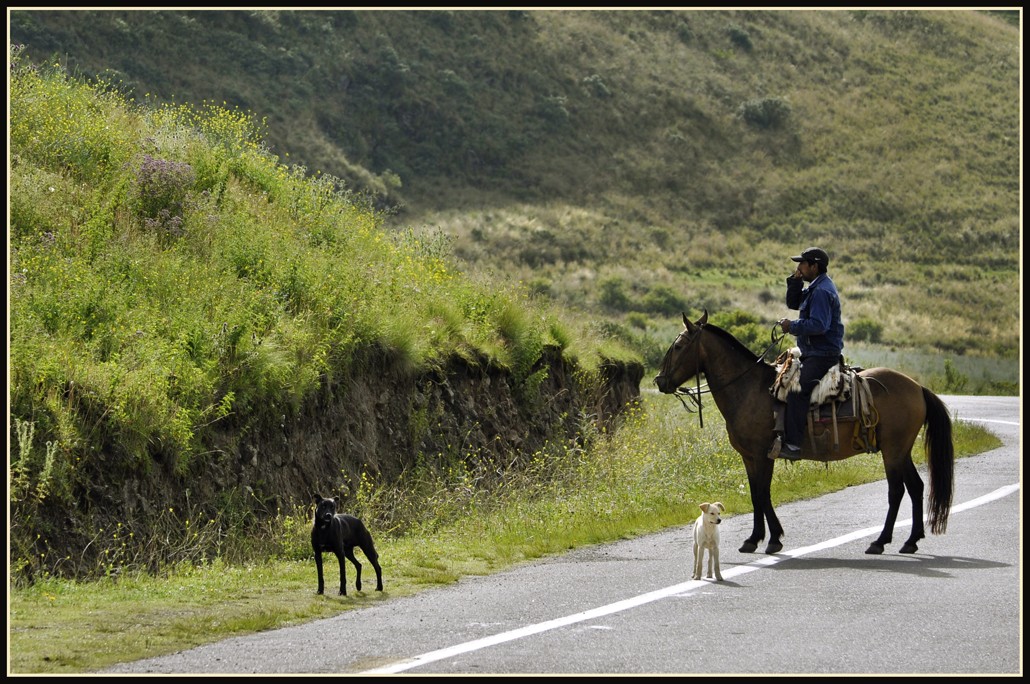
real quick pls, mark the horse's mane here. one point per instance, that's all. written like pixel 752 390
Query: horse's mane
pixel 732 341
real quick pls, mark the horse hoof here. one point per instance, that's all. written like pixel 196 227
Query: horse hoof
pixel 773 547
pixel 909 547
pixel 748 547
pixel 875 548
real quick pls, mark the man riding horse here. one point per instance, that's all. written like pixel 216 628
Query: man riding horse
pixel 820 337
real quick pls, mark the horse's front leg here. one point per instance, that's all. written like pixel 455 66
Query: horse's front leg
pixel 775 544
pixel 750 544
pixel 759 482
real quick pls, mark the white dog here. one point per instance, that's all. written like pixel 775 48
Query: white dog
pixel 706 536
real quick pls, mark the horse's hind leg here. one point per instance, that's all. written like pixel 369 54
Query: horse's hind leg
pixel 895 493
pixel 914 485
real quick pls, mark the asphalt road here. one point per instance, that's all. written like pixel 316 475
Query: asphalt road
pixel 821 606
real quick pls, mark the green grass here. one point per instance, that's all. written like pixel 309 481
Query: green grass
pixel 174 282
pixel 647 476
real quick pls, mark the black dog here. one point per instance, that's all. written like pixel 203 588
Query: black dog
pixel 340 533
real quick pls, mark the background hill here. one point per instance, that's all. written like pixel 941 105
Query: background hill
pixel 633 164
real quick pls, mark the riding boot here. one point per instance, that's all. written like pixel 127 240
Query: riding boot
pixel 794 417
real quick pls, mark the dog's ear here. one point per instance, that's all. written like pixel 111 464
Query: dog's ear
pixel 318 498
pixel 719 504
pixel 704 507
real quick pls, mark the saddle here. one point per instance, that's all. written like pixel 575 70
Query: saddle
pixel 841 402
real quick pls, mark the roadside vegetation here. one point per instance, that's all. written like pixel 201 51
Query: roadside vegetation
pixel 648 475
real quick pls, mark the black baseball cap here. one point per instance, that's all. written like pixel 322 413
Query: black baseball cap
pixel 813 254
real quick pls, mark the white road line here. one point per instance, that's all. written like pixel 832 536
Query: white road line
pixel 682 589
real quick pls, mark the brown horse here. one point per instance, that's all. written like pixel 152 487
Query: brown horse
pixel 739 382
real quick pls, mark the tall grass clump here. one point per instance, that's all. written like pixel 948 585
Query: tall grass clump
pixel 643 474
pixel 171 277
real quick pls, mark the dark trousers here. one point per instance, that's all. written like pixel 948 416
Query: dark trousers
pixel 813 368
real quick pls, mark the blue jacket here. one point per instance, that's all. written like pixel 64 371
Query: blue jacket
pixel 818 328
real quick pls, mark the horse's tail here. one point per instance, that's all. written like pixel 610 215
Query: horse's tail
pixel 940 459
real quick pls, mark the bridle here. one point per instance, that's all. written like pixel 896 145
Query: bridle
pixel 694 395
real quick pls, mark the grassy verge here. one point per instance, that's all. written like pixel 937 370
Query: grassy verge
pixel 653 471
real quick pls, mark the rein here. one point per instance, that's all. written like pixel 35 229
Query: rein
pixel 695 394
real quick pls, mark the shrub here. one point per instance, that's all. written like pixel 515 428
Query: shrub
pixel 746 327
pixel 865 330
pixel 552 110
pixel 595 85
pixel 637 320
pixel 161 188
pixel 453 84
pixel 613 294
pixel 954 381
pixel 740 38
pixel 769 112
pixel 663 300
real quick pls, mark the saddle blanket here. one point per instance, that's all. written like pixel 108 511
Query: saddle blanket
pixel 835 385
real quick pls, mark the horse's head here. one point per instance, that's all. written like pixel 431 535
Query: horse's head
pixel 683 359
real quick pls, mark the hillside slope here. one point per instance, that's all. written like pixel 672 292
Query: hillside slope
pixel 636 163
pixel 202 338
